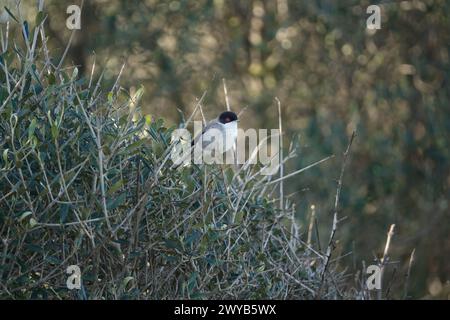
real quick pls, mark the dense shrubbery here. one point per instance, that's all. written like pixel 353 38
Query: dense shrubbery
pixel 332 75
pixel 85 181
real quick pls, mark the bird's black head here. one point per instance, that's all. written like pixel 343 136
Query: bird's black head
pixel 227 117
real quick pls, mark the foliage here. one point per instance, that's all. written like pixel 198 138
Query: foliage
pixel 85 181
pixel 333 76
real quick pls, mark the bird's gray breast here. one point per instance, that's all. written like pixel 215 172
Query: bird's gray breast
pixel 213 135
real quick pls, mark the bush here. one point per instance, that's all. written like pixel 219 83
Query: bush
pixel 85 181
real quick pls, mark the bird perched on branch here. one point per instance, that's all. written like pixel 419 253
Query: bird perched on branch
pixel 218 137
pixel 224 127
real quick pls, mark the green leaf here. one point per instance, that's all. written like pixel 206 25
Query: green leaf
pixel 148 119
pixel 137 96
pixel 192 237
pixel 173 244
pixel 123 120
pixel 229 174
pixel 116 186
pixel 126 281
pixel 110 97
pixel 12 16
pixel 239 217
pixel 25 30
pixel 5 155
pixel 26 87
pixel 31 128
pixel 39 18
pixel 34 248
pixel 24 215
pixel 158 148
pixel 192 281
pixel 133 146
pixel 74 73
pixel 51 79
pixel 63 212
pixel 79 240
pixel 53 260
pixel 55 131
pixel 33 222
pixel 116 201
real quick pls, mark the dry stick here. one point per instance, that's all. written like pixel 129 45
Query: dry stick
pixel 4 41
pixel 365 290
pixel 408 272
pixel 227 102
pixel 102 176
pixel 388 290
pixel 35 37
pixel 385 257
pixel 225 91
pixel 5 69
pixel 69 43
pixel 242 111
pixel 66 50
pixel 298 171
pixel 281 157
pixel 311 224
pixel 335 215
pixel 202 114
pixel 13 91
pixel 116 83
pixel 316 228
pixel 44 46
pixel 23 28
pixel 41 5
pixel 280 127
pixel 92 72
pixel 5 243
pixel 61 225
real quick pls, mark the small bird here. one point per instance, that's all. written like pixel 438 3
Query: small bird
pixel 225 127
pixel 218 137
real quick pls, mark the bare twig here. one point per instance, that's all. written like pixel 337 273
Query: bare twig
pixel 280 127
pixel 408 272
pixel 225 91
pixel 300 170
pixel 311 224
pixel 330 246
pixel 101 174
pixel 385 256
pixel 72 35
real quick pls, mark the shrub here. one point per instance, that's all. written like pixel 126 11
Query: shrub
pixel 85 180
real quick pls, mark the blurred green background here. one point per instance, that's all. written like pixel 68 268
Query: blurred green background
pixel 332 75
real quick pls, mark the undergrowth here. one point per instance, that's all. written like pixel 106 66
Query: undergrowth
pixel 85 180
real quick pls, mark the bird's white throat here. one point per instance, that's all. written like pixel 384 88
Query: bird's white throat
pixel 231 131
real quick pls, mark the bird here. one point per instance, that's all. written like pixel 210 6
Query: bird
pixel 225 126
pixel 218 136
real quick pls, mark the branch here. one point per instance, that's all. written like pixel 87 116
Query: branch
pixel 335 215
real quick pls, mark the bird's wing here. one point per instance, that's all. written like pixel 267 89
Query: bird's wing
pixel 208 134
